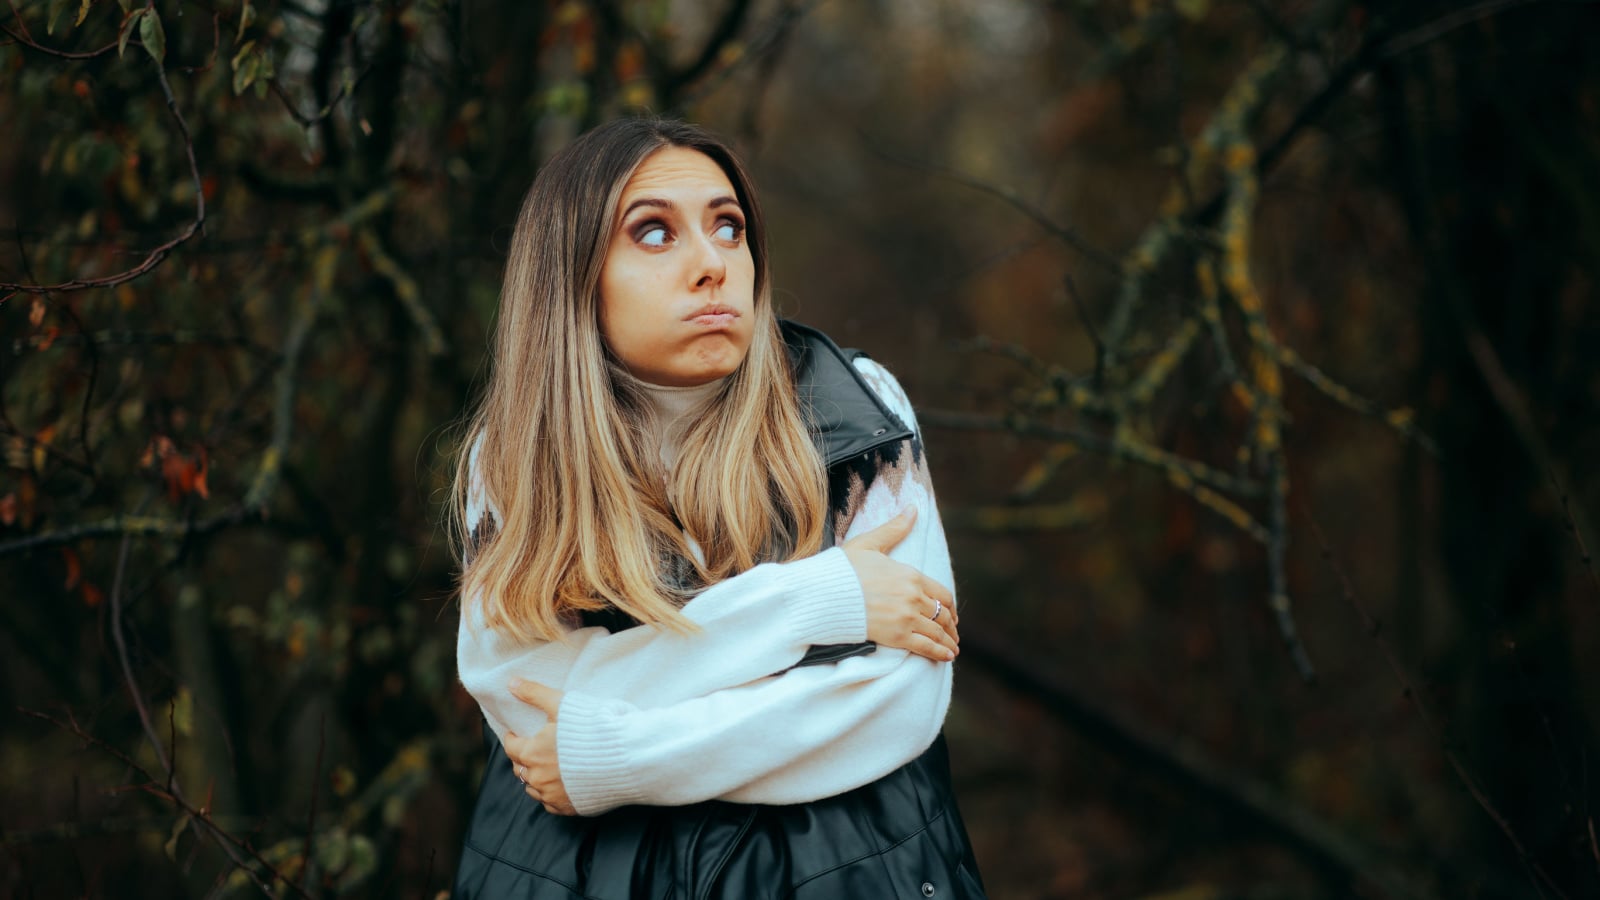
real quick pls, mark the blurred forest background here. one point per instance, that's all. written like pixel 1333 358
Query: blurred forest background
pixel 1254 342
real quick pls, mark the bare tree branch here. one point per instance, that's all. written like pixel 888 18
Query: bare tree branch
pixel 156 256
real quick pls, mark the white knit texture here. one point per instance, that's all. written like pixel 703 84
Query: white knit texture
pixel 651 717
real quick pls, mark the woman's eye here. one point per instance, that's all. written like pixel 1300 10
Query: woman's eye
pixel 727 230
pixel 653 236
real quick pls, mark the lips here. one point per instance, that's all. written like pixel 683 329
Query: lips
pixel 714 316
pixel 713 310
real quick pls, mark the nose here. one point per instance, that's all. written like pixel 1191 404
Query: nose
pixel 710 269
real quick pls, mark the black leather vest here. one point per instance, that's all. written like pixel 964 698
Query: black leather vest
pixel 900 836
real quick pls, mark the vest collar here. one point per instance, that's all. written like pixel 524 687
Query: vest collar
pixel 843 414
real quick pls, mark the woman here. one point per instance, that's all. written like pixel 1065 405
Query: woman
pixel 692 688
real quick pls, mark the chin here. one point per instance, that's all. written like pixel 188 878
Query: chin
pixel 714 365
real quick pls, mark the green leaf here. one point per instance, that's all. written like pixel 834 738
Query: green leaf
pixel 183 711
pixel 1193 10
pixel 261 83
pixel 127 29
pixel 171 846
pixel 153 36
pixel 247 15
pixel 244 73
pixel 239 57
pixel 83 12
pixel 57 7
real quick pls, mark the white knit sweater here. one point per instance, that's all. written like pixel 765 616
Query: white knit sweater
pixel 653 717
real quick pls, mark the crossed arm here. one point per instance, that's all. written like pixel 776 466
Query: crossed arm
pixel 652 717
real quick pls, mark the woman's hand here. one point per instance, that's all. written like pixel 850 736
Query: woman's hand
pixel 905 608
pixel 533 759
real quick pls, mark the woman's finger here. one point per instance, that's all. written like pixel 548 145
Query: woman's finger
pixel 927 647
pixel 946 608
pixel 886 536
pixel 935 632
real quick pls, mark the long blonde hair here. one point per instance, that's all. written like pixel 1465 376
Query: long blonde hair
pixel 558 447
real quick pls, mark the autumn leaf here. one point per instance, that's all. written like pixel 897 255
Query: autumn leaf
pixel 92 596
pixel 36 312
pixel 153 36
pixel 247 14
pixel 8 509
pixel 74 568
pixel 127 29
pixel 57 7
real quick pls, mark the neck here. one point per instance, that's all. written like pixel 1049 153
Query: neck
pixel 672 409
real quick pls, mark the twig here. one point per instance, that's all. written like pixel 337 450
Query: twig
pixel 24 39
pixel 766 41
pixel 1577 533
pixel 1065 234
pixel 405 290
pixel 156 256
pixel 1088 326
pixel 1181 761
pixel 1112 446
pixel 132 526
pixel 129 681
pixel 311 817
pixel 229 843
pixel 1375 631
pixel 722 34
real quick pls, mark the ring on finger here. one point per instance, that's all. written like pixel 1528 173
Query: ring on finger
pixel 516 769
pixel 938 607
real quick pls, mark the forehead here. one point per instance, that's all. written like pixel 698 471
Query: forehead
pixel 677 173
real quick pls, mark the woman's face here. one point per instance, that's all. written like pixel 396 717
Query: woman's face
pixel 677 292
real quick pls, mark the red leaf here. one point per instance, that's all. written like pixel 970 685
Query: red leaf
pixel 92 596
pixel 8 509
pixel 74 568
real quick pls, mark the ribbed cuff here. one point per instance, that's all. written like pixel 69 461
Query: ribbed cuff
pixel 826 605
pixel 592 754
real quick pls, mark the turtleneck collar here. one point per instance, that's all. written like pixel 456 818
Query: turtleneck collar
pixel 672 406
pixel 672 409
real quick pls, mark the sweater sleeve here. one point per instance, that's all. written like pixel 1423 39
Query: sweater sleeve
pixel 751 625
pixel 800 735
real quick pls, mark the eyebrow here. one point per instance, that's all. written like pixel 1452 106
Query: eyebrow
pixel 716 203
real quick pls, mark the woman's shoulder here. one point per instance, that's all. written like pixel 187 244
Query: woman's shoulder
pixel 816 354
pixel 883 383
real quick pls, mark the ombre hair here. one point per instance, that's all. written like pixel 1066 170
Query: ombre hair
pixel 558 450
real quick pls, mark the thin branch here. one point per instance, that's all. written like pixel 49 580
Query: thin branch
pixel 311 817
pixel 293 108
pixel 406 291
pixel 766 41
pixel 1064 233
pixel 160 253
pixel 133 526
pixel 178 337
pixel 1374 630
pixel 1577 535
pixel 230 844
pixel 1117 447
pixel 722 35
pixel 27 40
pixel 129 681
pixel 1181 761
